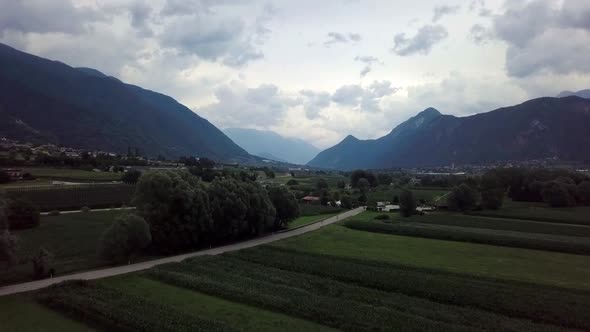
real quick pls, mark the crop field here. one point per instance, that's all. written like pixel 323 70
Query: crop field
pixel 72 239
pixel 540 212
pixel 305 220
pixel 68 174
pixel 386 194
pixel 73 197
pixel 338 278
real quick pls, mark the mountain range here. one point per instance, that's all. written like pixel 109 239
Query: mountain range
pixel 581 94
pixel 536 129
pixel 270 145
pixel 48 101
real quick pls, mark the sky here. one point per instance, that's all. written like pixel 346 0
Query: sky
pixel 318 70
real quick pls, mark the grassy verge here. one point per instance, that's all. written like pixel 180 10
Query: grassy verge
pixel 539 212
pixel 72 239
pixel 550 268
pixel 559 243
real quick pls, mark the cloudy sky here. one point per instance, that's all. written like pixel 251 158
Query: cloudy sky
pixel 318 70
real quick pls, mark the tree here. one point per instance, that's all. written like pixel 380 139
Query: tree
pixel 341 184
pixel 22 214
pixel 131 176
pixel 261 212
pixel 362 199
pixel 385 179
pixel 395 199
pixel 41 262
pixel 8 242
pixel 492 192
pixel 175 205
pixel 346 201
pixel 364 185
pixel 407 203
pixel 126 237
pixel 286 205
pixel 321 184
pixel 462 198
pixel 584 192
pixel 269 173
pixel 556 194
pixel 229 207
pixel 292 182
pixel 359 174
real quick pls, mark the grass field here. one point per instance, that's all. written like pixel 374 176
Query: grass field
pixel 550 268
pixel 72 239
pixel 540 212
pixel 386 194
pixel 68 174
pixel 302 221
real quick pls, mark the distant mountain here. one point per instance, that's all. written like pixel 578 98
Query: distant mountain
pixel 48 101
pixel 270 157
pixel 536 129
pixel 581 94
pixel 260 143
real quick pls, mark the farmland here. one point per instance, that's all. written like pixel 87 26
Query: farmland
pixel 72 239
pixel 69 174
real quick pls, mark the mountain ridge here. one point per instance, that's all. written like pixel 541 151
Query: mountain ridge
pixel 538 128
pixel 83 108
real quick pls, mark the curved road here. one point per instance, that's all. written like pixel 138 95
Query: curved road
pixel 113 271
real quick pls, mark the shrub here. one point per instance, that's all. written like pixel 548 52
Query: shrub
pixel 4 177
pixel 85 209
pixel 131 176
pixel 22 214
pixel 126 237
pixel 492 192
pixel 41 262
pixel 8 246
pixel 382 217
pixel 584 192
pixel 462 198
pixel 292 182
pixel 556 194
pixel 407 203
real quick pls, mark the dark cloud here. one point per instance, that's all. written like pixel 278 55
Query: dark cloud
pixel 39 16
pixel 543 36
pixel 479 34
pixel 369 61
pixel 348 95
pixel 140 15
pixel 440 11
pixel 422 43
pixel 341 38
pixel 367 99
pixel 314 102
pixel 479 6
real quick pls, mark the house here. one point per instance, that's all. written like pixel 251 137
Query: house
pixel 310 199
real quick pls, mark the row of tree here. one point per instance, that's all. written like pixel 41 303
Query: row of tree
pixel 183 212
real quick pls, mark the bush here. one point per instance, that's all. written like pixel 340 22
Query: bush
pixel 126 237
pixel 85 209
pixel 22 214
pixel 54 213
pixel 382 217
pixel 492 192
pixel 131 176
pixel 556 194
pixel 8 246
pixel 292 182
pixel 407 203
pixel 41 264
pixel 4 177
pixel 462 198
pixel 584 192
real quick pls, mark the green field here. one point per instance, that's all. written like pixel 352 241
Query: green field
pixel 68 174
pixel 72 239
pixel 302 221
pixel 477 259
pixel 540 212
pixel 387 194
pixel 342 279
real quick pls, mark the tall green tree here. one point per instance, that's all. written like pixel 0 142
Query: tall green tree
pixel 8 242
pixel 176 207
pixel 125 238
pixel 229 207
pixel 407 203
pixel 321 184
pixel 584 192
pixel 492 192
pixel 286 205
pixel 462 198
pixel 261 212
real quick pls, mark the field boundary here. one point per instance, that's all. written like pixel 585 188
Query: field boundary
pixel 109 272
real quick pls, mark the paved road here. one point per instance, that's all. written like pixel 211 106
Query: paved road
pixel 103 273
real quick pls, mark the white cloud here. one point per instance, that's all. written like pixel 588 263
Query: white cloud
pixel 422 43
